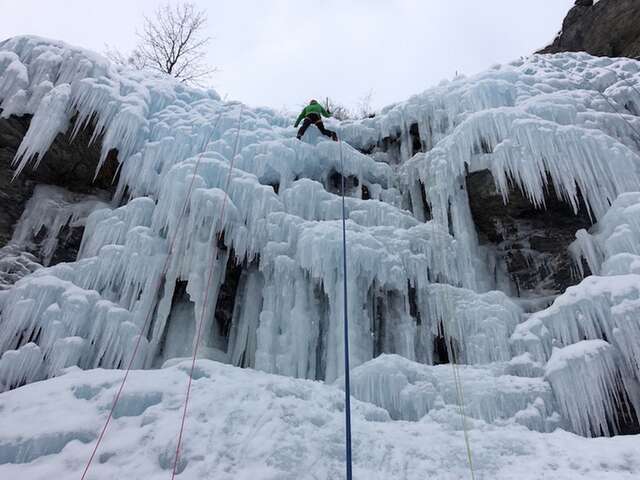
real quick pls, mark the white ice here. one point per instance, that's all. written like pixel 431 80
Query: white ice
pixel 154 262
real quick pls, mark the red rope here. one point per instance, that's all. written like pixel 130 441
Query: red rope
pixel 165 268
pixel 204 308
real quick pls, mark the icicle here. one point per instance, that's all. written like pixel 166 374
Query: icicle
pixel 479 326
pixel 50 119
pixel 18 367
pixel 598 308
pixel 409 391
pixel 50 209
pixel 587 382
pixel 243 337
pixel 618 232
pixel 74 327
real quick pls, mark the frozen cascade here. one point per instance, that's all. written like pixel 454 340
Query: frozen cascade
pixel 613 246
pixel 15 263
pixel 587 382
pixel 421 289
pixel 63 334
pixel 409 391
pixel 479 326
pixel 49 210
pixel 598 308
pixel 21 366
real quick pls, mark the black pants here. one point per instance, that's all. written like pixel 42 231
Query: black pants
pixel 317 121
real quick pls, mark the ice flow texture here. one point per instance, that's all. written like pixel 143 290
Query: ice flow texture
pixel 418 275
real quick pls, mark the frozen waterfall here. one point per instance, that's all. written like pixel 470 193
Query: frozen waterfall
pixel 422 290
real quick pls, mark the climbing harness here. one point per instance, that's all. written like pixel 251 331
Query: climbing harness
pixel 164 271
pixel 347 373
pixel 204 304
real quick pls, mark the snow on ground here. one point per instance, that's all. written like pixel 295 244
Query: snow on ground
pixel 245 424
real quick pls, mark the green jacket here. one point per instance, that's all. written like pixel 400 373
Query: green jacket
pixel 312 108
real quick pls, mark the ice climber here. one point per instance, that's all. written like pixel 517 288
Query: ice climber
pixel 313 113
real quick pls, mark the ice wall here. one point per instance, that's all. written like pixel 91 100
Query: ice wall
pixel 47 213
pixel 409 391
pixel 613 245
pixel 265 277
pixel 589 386
pixel 593 328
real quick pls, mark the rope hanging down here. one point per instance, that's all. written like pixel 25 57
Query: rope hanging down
pixel 450 325
pixel 204 303
pixel 347 373
pixel 148 316
pixel 453 326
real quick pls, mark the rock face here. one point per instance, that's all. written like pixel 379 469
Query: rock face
pixel 608 28
pixel 532 242
pixel 68 164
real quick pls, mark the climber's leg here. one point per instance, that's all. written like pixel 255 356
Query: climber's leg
pixel 325 132
pixel 305 124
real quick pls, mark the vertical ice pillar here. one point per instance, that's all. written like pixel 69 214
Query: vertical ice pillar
pixel 246 318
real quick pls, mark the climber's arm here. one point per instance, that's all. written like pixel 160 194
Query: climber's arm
pixel 325 113
pixel 303 114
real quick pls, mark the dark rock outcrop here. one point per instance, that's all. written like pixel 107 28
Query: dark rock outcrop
pixel 532 242
pixel 608 28
pixel 68 164
pixel 227 296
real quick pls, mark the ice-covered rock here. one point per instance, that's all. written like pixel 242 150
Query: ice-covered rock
pixel 409 391
pixel 598 308
pixel 15 263
pixel 589 337
pixel 222 222
pixel 47 213
pixel 75 327
pixel 588 382
pixel 612 247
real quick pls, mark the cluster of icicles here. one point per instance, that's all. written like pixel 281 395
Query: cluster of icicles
pixel 417 271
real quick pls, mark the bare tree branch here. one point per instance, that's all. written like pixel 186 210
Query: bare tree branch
pixel 365 107
pixel 172 41
pixel 338 110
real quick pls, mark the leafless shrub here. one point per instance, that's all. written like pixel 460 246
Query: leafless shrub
pixel 365 107
pixel 172 41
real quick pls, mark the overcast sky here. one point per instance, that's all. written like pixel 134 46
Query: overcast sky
pixel 280 53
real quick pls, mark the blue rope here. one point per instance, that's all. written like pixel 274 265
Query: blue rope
pixel 347 375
